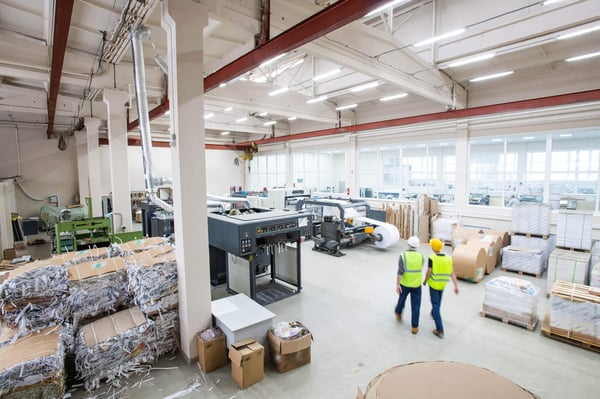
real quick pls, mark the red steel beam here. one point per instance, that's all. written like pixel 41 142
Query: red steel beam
pixel 62 20
pixel 134 141
pixel 323 22
pixel 153 114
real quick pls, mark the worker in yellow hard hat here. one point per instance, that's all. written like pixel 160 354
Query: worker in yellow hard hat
pixel 439 272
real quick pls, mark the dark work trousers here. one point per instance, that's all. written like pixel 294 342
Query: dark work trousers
pixel 415 303
pixel 436 303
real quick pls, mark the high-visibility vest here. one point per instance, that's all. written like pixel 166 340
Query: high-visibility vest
pixel 413 265
pixel 441 270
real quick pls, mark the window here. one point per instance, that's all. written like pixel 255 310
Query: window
pixel 320 171
pixel 267 171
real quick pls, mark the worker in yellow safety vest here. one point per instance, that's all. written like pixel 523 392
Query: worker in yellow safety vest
pixel 410 273
pixel 439 272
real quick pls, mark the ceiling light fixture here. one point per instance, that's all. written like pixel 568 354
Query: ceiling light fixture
pixel 497 140
pixel 548 2
pixel 578 33
pixel 343 107
pixel 471 60
pixel 272 60
pixel 394 97
pixel 365 86
pixel 316 99
pixel 270 123
pixel 528 138
pixel 240 120
pixel 440 37
pixel 222 84
pixel 292 118
pixel 566 135
pixel 385 6
pixel 208 115
pixel 279 91
pixel 263 114
pixel 583 57
pixel 225 133
pixel 228 109
pixel 326 75
pixel 493 76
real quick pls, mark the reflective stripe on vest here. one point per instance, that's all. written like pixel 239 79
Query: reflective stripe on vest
pixel 413 265
pixel 441 270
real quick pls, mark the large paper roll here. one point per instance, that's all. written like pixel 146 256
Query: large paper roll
pixel 469 262
pixel 387 235
pixel 489 246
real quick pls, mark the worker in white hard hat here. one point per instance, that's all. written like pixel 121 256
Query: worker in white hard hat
pixel 410 269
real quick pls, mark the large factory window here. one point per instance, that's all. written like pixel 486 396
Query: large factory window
pixel 267 171
pixel 323 171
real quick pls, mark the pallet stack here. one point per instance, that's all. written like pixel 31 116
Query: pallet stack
pixel 512 300
pixel 595 266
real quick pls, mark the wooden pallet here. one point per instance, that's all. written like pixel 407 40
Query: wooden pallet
pixel 576 292
pixel 520 272
pixel 585 251
pixel 560 335
pixel 507 320
pixel 543 236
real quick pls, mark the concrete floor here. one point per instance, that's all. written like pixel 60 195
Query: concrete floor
pixel 348 304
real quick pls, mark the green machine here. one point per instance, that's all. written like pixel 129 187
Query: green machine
pixel 73 235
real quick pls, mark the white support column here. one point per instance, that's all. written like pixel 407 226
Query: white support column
pixel 461 189
pixel 351 165
pixel 83 170
pixel 93 155
pixel 117 137
pixel 184 23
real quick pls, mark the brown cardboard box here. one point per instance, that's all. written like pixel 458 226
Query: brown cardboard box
pixel 9 253
pixel 424 228
pixel 434 206
pixel 247 362
pixel 212 353
pixel 288 354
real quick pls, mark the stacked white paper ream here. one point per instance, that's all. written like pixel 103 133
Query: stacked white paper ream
pixel 527 260
pixel 546 245
pixel 568 266
pixel 595 267
pixel 574 230
pixel 507 296
pixel 33 366
pixel 442 228
pixel 578 319
pixel 531 218
pixel 33 296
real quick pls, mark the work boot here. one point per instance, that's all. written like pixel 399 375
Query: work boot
pixel 415 330
pixel 398 316
pixel 439 334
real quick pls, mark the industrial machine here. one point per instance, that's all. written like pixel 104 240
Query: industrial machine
pixel 261 250
pixel 340 223
pixel 155 221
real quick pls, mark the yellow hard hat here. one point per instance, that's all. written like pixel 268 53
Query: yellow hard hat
pixel 436 244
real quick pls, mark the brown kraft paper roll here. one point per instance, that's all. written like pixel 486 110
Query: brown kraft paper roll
pixel 489 247
pixel 469 262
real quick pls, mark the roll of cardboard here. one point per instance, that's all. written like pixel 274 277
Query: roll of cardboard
pixel 461 234
pixel 503 234
pixel 489 246
pixel 498 247
pixel 469 262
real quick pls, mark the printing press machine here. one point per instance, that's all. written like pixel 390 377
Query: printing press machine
pixel 255 245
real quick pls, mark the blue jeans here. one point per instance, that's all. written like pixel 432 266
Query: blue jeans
pixel 436 303
pixel 415 303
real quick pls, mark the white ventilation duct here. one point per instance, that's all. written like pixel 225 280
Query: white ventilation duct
pixel 139 73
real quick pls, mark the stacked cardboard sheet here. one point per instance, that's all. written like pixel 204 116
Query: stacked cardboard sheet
pixel 33 366
pixel 113 347
pixel 568 266
pixel 574 230
pixel 575 311
pixel 33 295
pixel 511 298
pixel 531 218
pixel 546 245
pixel 527 260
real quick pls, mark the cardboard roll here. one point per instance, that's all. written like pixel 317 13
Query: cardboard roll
pixel 469 262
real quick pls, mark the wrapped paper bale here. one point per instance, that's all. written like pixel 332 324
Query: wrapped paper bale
pixel 97 287
pixel 511 298
pixel 526 260
pixel 153 281
pixel 442 227
pixel 131 247
pixel 469 262
pixel 595 271
pixel 574 230
pixel 33 295
pixel 33 366
pixel 531 218
pixel 546 245
pixel 113 347
pixel 575 311
pixel 167 332
pixel 568 266
pixel 86 255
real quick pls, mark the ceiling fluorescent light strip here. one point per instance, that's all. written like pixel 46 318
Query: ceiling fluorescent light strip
pixel 440 37
pixel 272 60
pixel 326 75
pixel 343 107
pixel 208 115
pixel 316 99
pixel 583 57
pixel 578 33
pixel 471 60
pixel 270 123
pixel 279 91
pixel 225 133
pixel 239 120
pixel 548 2
pixel 292 118
pixel 385 6
pixel 493 76
pixel 365 86
pixel 394 97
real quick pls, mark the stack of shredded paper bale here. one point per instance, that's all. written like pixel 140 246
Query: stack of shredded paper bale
pixel 85 255
pixel 512 300
pixel 131 247
pixel 33 295
pixel 33 366
pixel 575 312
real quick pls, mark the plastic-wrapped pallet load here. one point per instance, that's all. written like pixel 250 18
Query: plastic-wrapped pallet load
pixel 526 260
pixel 512 299
pixel 531 218
pixel 595 265
pixel 546 245
pixel 571 266
pixel 575 312
pixel 97 287
pixel 574 230
pixel 33 295
pixel 113 347
pixel 442 227
pixel 33 366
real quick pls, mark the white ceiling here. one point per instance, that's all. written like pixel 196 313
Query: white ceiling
pixel 379 48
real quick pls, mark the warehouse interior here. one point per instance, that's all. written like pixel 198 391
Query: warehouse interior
pixel 429 118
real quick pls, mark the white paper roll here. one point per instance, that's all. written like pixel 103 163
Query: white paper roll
pixel 388 233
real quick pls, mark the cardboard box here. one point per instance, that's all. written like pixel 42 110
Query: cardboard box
pixel 212 353
pixel 247 362
pixel 288 354
pixel 424 228
pixel 434 206
pixel 9 253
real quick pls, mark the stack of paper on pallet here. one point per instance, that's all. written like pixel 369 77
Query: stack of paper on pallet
pixel 546 245
pixel 33 366
pixel 97 287
pixel 574 230
pixel 113 347
pixel 531 218
pixel 595 271
pixel 33 295
pixel 568 266
pixel 527 260
pixel 575 311
pixel 511 298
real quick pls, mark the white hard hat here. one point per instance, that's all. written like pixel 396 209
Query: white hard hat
pixel 414 242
